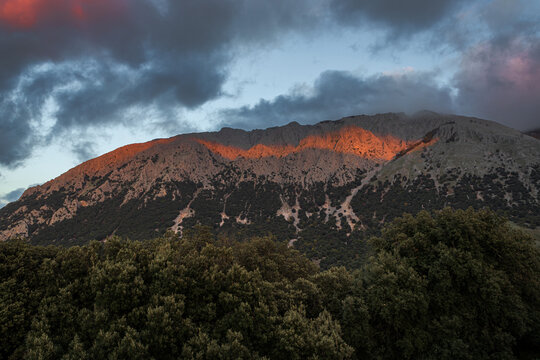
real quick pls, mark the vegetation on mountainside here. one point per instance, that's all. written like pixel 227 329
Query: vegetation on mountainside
pixel 452 285
pixel 250 208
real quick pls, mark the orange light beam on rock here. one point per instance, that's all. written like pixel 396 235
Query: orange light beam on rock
pixel 349 140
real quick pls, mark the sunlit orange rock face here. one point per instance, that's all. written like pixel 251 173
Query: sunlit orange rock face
pixel 119 156
pixel 26 14
pixel 357 143
pixel 348 140
pixel 109 161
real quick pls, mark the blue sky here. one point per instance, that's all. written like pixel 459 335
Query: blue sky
pixel 79 78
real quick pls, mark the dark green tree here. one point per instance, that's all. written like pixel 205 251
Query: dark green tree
pixel 455 285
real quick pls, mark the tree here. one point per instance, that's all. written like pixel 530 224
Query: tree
pixel 458 284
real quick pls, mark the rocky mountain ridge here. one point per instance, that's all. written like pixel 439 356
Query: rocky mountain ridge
pixel 350 175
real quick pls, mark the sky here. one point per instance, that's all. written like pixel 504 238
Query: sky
pixel 79 78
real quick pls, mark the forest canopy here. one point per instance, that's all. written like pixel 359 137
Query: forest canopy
pixel 453 284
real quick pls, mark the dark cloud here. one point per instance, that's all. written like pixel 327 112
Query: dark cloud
pixel 11 196
pixel 400 18
pixel 138 33
pixel 98 63
pixel 500 80
pixel 95 93
pixel 16 135
pixel 336 94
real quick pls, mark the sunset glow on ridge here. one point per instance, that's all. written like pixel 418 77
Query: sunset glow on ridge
pixel 351 140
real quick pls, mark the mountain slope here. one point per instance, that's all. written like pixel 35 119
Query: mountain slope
pixel 346 176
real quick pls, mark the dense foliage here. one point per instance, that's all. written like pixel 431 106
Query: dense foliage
pixel 452 285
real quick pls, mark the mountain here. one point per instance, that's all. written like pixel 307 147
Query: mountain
pixel 317 185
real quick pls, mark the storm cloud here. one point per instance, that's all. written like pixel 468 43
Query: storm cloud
pixel 336 94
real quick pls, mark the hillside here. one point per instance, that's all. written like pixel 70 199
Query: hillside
pixel 347 176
